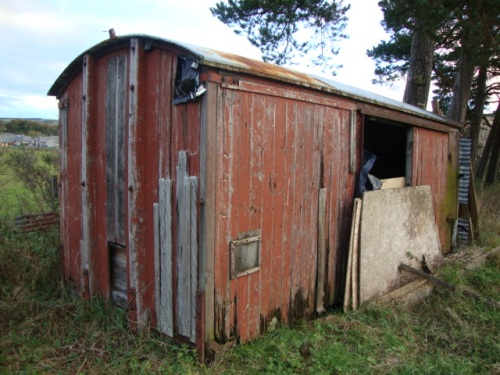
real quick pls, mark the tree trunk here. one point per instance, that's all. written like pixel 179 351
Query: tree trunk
pixel 475 124
pixel 494 157
pixel 461 87
pixel 485 156
pixel 418 81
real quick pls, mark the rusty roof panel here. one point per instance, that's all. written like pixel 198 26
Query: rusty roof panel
pixel 231 62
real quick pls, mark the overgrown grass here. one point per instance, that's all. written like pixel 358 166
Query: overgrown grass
pixel 45 329
pixel 488 199
pixel 16 198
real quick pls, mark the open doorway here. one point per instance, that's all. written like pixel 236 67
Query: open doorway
pixel 392 145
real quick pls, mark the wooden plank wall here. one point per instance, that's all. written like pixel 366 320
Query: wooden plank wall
pixel 430 167
pixel 276 155
pixel 70 178
pixel 170 129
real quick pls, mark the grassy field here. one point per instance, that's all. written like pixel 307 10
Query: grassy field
pixel 15 198
pixel 45 329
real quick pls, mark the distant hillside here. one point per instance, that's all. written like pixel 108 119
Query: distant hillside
pixel 41 120
pixel 32 127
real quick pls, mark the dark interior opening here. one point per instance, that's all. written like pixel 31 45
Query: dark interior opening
pixel 118 273
pixel 389 143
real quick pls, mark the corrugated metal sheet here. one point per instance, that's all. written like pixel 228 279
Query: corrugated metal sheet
pixel 464 171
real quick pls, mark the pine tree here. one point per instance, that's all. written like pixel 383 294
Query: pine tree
pixel 285 30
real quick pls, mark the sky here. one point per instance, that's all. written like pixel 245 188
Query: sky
pixel 39 38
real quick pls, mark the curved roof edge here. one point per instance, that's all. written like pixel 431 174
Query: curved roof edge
pixel 231 62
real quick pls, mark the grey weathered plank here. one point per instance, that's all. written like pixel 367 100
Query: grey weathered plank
pixel 355 254
pixel 183 248
pixel 320 286
pixel 157 259
pixel 353 149
pixel 86 95
pixel 165 312
pixel 193 253
pixel 132 170
pixel 115 154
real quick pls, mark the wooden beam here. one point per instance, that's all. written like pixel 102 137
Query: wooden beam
pixel 444 125
pixel 444 284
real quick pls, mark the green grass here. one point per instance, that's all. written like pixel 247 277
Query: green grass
pixel 45 329
pixel 15 198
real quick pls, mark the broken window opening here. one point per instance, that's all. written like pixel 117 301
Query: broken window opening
pixel 245 255
pixel 391 145
pixel 187 81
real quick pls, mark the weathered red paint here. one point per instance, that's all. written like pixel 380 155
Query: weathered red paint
pixel 261 149
pixel 430 166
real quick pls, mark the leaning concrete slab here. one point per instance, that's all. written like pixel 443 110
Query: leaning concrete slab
pixel 397 226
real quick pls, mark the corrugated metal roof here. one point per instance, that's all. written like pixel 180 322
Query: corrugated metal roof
pixel 231 62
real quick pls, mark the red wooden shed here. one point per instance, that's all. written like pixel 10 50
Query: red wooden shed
pixel 211 194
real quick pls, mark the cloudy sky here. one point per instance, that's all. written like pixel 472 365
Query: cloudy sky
pixel 39 38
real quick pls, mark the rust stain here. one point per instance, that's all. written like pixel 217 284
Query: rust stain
pixel 263 69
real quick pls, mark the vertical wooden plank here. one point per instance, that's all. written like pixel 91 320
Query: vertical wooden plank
pixel 348 282
pixel 88 63
pixel 342 211
pixel 296 290
pixel 265 126
pixel 94 247
pixel 332 162
pixel 254 202
pixel 183 248
pixel 287 215
pixel 115 152
pixel 352 143
pixel 313 188
pixel 63 176
pixel 157 260
pixel 280 192
pixel 193 243
pixel 187 250
pixel 355 254
pixel 222 140
pixel 72 178
pixel 209 171
pixel 320 285
pixel 165 313
pixel 136 315
pixel 230 212
pixel 307 207
pixel 451 197
pixel 241 201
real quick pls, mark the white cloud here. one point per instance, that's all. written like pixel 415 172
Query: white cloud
pixel 40 38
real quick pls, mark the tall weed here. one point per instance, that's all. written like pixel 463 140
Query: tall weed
pixel 37 172
pixel 488 202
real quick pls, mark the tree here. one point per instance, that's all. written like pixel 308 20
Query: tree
pixel 490 159
pixel 466 45
pixel 414 27
pixel 285 29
